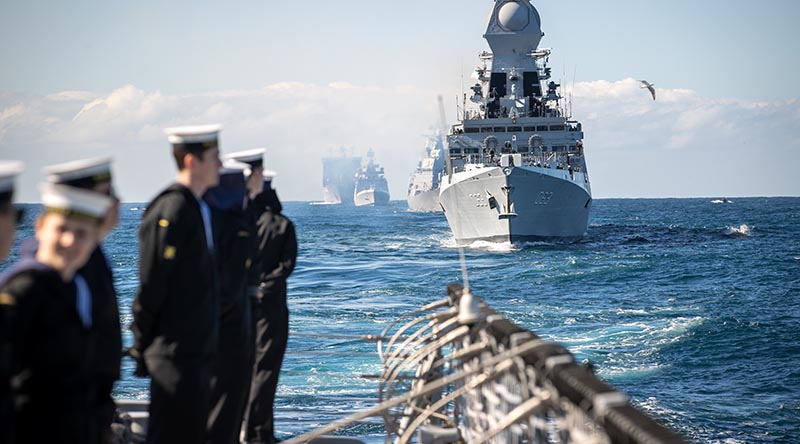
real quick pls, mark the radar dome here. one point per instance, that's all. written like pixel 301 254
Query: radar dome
pixel 513 16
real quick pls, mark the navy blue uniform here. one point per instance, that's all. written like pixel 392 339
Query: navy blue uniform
pixel 176 316
pixel 235 240
pixel 107 339
pixel 51 353
pixel 278 255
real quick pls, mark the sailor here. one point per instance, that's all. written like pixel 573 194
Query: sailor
pixel 234 235
pixel 9 215
pixel 256 183
pixel 277 245
pixel 47 313
pixel 95 175
pixel 9 218
pixel 176 308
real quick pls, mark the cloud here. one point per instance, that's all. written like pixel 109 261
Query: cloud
pixel 299 123
pixel 682 144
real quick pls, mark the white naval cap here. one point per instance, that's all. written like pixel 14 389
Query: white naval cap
pixel 74 202
pixel 231 166
pixel 254 157
pixel 194 138
pixel 268 175
pixel 85 173
pixel 8 173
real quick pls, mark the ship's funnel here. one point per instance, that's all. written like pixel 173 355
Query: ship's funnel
pixel 513 27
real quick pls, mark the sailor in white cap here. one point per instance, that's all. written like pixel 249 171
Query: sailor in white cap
pixel 175 312
pixel 95 175
pixel 47 312
pixel 9 215
pixel 254 175
pixel 276 259
pixel 235 238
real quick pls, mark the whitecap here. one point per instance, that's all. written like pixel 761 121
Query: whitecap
pixel 742 230
pixel 631 311
pixel 502 247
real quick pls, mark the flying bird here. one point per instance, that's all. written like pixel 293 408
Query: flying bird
pixel 650 87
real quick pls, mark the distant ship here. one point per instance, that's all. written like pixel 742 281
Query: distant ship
pixel 371 187
pixel 338 180
pixel 423 185
pixel 516 169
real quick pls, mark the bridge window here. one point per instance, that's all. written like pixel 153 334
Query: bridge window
pixel 541 128
pixel 472 130
pixel 455 150
pixel 486 129
pixel 523 149
pixel 530 129
pixel 559 148
pixel 514 129
pixel 556 127
pixel 499 129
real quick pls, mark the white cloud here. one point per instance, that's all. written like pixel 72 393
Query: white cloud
pixel 681 144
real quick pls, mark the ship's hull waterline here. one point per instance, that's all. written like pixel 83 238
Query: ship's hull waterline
pixel 371 197
pixel 425 202
pixel 540 206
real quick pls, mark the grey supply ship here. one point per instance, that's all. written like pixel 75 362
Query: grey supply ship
pixel 516 167
pixel 338 178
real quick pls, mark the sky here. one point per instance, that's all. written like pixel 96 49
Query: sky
pixel 90 78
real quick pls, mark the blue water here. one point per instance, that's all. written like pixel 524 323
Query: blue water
pixel 691 307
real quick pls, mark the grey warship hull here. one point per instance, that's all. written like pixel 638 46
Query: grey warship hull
pixel 515 204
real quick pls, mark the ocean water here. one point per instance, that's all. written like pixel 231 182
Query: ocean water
pixel 689 306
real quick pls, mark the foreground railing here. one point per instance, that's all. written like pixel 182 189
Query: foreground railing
pixel 456 371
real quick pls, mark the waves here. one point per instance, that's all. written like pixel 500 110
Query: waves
pixel 689 307
pixel 741 231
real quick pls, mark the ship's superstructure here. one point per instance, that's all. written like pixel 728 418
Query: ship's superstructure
pixel 516 169
pixel 423 185
pixel 338 178
pixel 371 187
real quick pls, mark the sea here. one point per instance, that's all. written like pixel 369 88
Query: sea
pixel 690 306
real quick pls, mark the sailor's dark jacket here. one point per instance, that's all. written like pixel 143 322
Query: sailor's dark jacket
pixel 234 236
pixel 175 312
pixel 277 243
pixel 51 354
pixel 105 318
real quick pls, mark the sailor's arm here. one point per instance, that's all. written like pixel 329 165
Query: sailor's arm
pixel 288 255
pixel 161 236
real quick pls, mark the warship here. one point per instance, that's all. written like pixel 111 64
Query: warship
pixel 371 187
pixel 423 184
pixel 515 167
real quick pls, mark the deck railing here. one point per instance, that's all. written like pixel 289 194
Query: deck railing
pixel 458 372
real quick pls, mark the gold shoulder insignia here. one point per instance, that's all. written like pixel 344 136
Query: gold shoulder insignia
pixel 244 234
pixel 169 252
pixel 247 264
pixel 7 299
pixel 163 223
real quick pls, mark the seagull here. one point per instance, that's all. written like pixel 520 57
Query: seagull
pixel 650 87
